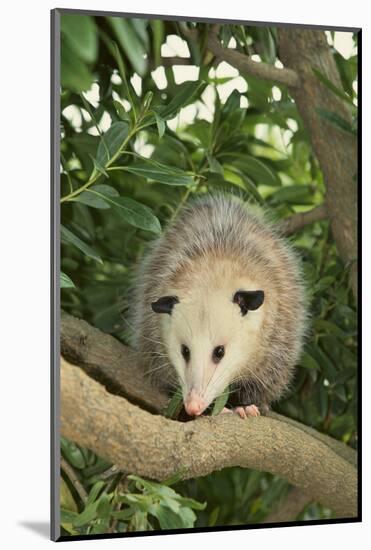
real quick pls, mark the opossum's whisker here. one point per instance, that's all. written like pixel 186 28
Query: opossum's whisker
pixel 155 369
pixel 214 381
pixel 153 354
pixel 142 335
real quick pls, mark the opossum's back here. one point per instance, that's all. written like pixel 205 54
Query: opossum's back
pixel 222 226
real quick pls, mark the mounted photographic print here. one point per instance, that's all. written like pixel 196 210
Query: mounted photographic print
pixel 205 186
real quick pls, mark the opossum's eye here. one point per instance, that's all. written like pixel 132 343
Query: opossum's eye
pixel 248 300
pixel 186 352
pixel 218 354
pixel 165 304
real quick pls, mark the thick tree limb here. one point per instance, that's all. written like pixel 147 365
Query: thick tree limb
pixel 157 448
pixel 108 361
pixel 117 367
pixel 335 149
pixel 301 219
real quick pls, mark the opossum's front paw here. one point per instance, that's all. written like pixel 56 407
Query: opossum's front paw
pixel 243 411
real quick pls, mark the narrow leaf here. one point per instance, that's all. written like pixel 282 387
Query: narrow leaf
pixel 114 139
pixel 69 237
pixel 160 125
pixel 332 87
pixel 93 200
pixel 186 94
pixel 130 43
pixel 132 212
pixel 65 281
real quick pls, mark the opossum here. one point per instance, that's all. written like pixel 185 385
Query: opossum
pixel 220 303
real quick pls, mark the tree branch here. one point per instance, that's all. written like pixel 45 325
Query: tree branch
pixel 71 474
pixel 335 149
pixel 157 448
pixel 243 63
pixel 255 68
pixel 301 219
pixel 117 367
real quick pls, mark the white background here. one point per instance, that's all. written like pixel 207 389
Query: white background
pixel 25 264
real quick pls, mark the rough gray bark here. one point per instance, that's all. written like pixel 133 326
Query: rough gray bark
pixel 336 150
pixel 153 446
pixel 157 448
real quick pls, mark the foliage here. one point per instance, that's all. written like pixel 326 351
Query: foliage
pixel 121 185
pixel 120 503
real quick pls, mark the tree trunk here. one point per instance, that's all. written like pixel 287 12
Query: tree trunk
pixel 336 150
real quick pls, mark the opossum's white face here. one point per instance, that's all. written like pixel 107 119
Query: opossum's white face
pixel 210 340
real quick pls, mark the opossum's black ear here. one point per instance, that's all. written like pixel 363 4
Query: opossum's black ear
pixel 248 300
pixel 165 304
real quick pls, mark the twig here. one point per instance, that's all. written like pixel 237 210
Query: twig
pixel 242 62
pixel 71 474
pixel 301 219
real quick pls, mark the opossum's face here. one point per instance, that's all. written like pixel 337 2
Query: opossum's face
pixel 210 340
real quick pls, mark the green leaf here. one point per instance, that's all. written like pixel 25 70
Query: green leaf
pixel 326 326
pixel 114 139
pixel 323 284
pixel 322 359
pixel 158 38
pixel 121 111
pixel 213 517
pixel 186 93
pixel 66 498
pixel 220 402
pixel 214 165
pixel 130 43
pixel 292 194
pixel 69 237
pixel 68 517
pixel 175 404
pixel 267 43
pixel 65 281
pixel 92 199
pixel 254 168
pixel 159 172
pixel 169 520
pixel 74 73
pixel 99 168
pixel 81 33
pixel 337 91
pixel 160 125
pixel 191 503
pixel 336 120
pixel 72 453
pixel 132 212
pixel 308 362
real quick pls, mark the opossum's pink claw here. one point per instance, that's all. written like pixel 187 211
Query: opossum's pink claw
pixel 252 410
pixel 243 411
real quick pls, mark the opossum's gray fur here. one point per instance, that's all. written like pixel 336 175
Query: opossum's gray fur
pixel 224 225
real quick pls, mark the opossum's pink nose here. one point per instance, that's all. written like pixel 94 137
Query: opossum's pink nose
pixel 194 404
